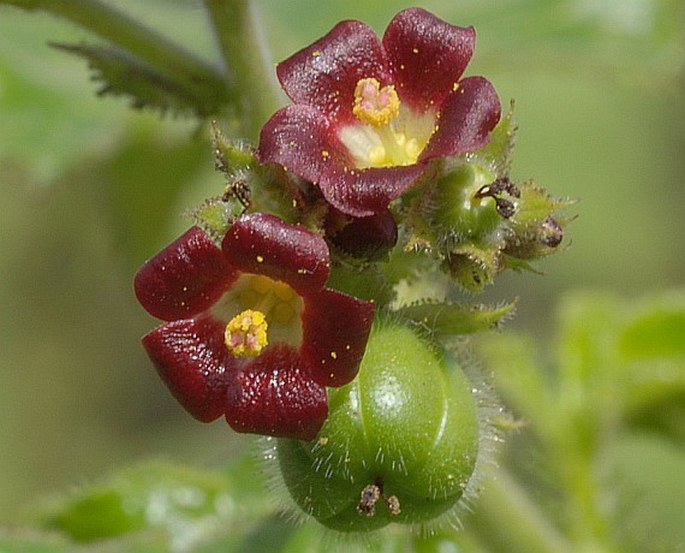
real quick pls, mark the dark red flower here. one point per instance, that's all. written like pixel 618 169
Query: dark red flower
pixel 251 332
pixel 369 115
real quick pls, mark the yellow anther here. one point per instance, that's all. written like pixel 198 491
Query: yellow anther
pixel 245 334
pixel 374 105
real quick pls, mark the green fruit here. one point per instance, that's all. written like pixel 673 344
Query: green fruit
pixel 400 442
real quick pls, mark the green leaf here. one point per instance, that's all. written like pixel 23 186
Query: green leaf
pixel 651 344
pixel 644 478
pixel 587 348
pixel 165 503
pixel 122 74
pixel 160 56
pixel 657 330
pixel 623 360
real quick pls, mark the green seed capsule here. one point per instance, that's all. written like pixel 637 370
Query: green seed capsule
pixel 400 443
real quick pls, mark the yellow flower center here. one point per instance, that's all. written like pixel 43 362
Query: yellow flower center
pixel 374 105
pixel 245 334
pixel 268 310
pixel 388 134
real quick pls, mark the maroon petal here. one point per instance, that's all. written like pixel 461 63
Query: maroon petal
pixel 335 328
pixel 325 74
pixel 275 396
pixel 466 118
pixel 427 56
pixel 184 279
pixel 364 192
pixel 193 362
pixel 302 140
pixel 264 244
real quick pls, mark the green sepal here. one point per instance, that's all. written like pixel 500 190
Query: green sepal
pixel 232 156
pixel 473 266
pixel 215 216
pixel 536 230
pixel 518 265
pixel 534 206
pixel 496 156
pixel 122 74
pixel 445 320
pixel 250 185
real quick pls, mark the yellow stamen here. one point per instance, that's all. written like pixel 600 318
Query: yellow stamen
pixel 245 334
pixel 374 105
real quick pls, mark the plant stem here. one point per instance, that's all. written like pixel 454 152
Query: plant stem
pixel 247 61
pixel 144 43
pixel 507 518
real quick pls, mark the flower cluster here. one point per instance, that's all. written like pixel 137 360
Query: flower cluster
pixel 389 166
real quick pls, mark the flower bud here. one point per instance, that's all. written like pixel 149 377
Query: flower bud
pixel 366 238
pixel 400 444
pixel 461 211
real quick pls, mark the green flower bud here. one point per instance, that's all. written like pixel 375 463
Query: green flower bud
pixel 401 442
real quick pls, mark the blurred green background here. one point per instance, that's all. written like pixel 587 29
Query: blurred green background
pixel 89 189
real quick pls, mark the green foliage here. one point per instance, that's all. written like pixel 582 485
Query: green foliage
pixel 162 506
pixel 607 419
pixel 122 74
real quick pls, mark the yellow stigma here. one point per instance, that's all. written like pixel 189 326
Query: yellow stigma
pixel 374 105
pixel 245 334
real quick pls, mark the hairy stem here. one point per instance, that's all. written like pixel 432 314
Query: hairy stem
pixel 247 61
